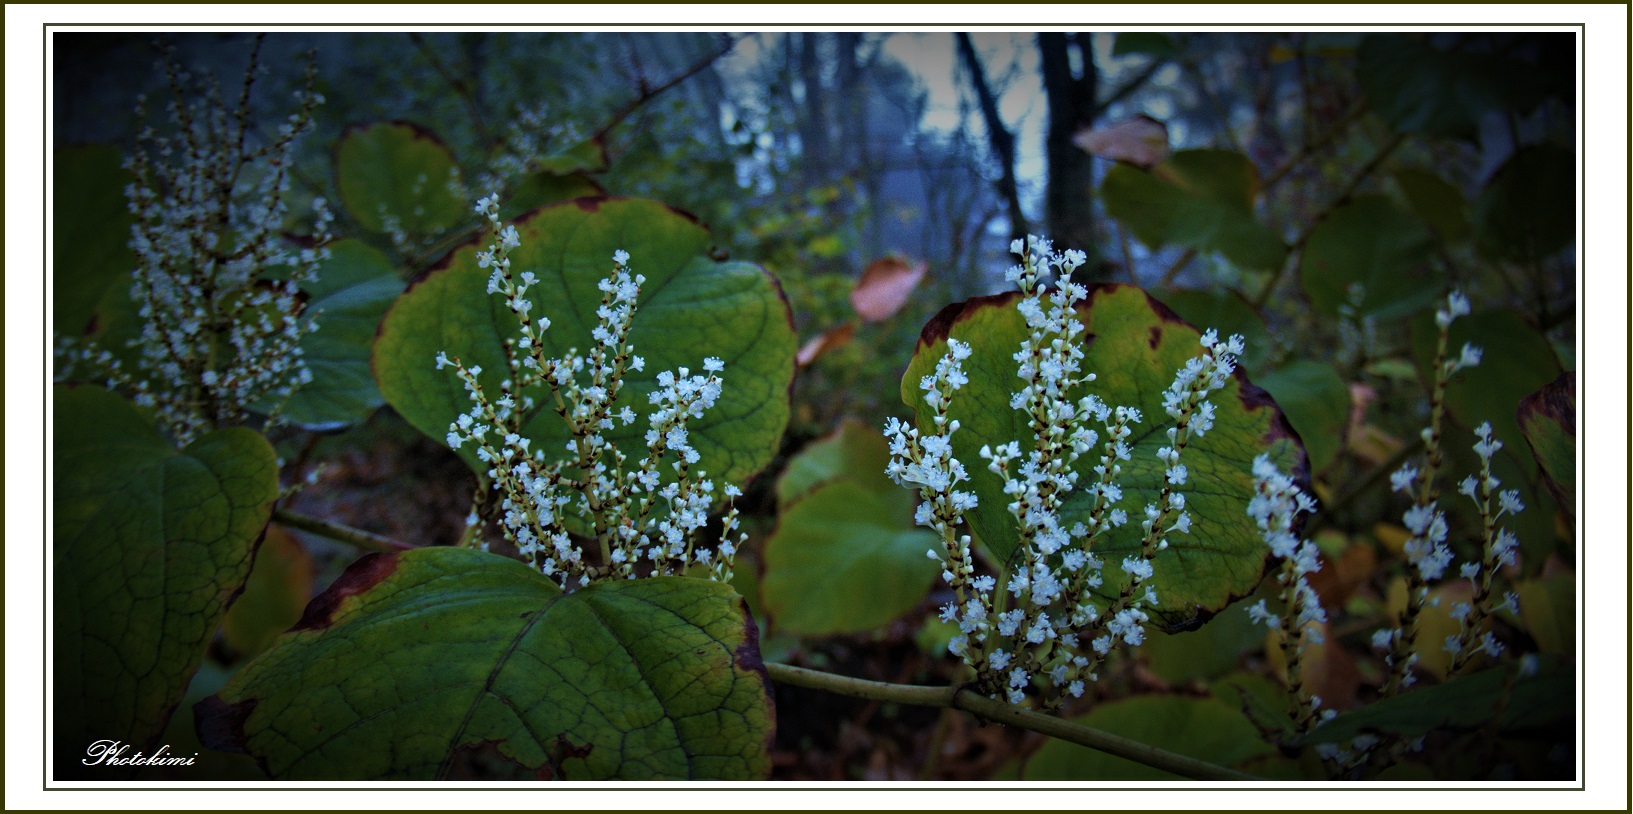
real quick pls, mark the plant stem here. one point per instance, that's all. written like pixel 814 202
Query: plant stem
pixel 1008 714
pixel 336 531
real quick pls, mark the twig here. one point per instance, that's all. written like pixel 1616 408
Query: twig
pixel 1297 246
pixel 1181 262
pixel 1008 714
pixel 1327 137
pixel 1130 86
pixel 648 93
pixel 335 531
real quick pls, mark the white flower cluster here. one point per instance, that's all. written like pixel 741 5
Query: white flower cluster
pixel 633 511
pixel 218 291
pixel 1041 620
pixel 1499 547
pixel 533 131
pixel 1277 502
pixel 1427 552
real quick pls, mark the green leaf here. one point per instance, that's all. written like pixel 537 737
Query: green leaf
pixel 1369 242
pixel 1149 43
pixel 149 545
pixel 589 155
pixel 846 558
pixel 1207 652
pixel 855 451
pixel 1527 211
pixel 1261 700
pixel 353 289
pixel 1202 728
pixel 1547 418
pixel 1435 201
pixel 1465 703
pixel 276 592
pixel 1227 312
pixel 90 232
pixel 1199 199
pixel 1135 345
pixel 690 308
pixel 399 174
pixel 411 662
pixel 1421 89
pixel 1317 404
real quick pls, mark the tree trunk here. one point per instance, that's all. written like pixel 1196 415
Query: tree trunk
pixel 1068 206
pixel 1003 141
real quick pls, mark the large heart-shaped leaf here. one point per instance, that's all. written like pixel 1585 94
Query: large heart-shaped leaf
pixel 855 451
pixel 149 545
pixel 399 177
pixel 690 308
pixel 412 663
pixel 1199 199
pixel 846 555
pixel 1371 243
pixel 846 558
pixel 1135 345
pixel 353 289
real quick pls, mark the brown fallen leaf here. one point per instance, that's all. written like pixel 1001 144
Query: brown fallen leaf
pixel 885 287
pixel 1338 579
pixel 824 342
pixel 1141 141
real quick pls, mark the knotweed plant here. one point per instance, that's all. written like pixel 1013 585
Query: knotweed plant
pixel 1427 553
pixel 1039 628
pixel 645 511
pixel 216 286
pixel 1277 502
pixel 1429 559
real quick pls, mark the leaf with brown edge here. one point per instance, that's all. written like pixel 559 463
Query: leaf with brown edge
pixel 1135 345
pixel 412 661
pixel 885 287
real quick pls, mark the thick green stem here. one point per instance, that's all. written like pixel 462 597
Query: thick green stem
pixel 1008 714
pixel 336 531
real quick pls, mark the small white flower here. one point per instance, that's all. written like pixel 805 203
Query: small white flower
pixel 1403 478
